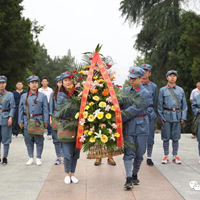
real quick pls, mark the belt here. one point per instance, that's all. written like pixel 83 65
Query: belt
pixel 34 115
pixel 171 109
pixel 143 115
pixel 149 106
pixel 4 111
pixel 64 118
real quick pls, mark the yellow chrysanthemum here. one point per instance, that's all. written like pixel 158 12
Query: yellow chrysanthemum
pixel 102 104
pixel 86 131
pixel 87 67
pixel 85 114
pixel 90 132
pixel 100 80
pixel 113 108
pixel 117 134
pixel 95 77
pixel 96 98
pixel 91 118
pixel 108 116
pixel 100 115
pixel 77 115
pixel 104 138
pixel 92 140
pixel 81 72
pixel 91 103
pixel 87 107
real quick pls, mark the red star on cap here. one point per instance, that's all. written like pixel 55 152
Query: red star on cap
pixel 33 76
pixel 67 72
pixel 172 70
pixel 132 70
pixel 145 65
pixel 1 77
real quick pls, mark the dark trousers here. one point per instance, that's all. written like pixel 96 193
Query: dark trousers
pixel 49 129
pixel 15 124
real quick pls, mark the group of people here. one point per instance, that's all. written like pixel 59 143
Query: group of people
pixel 138 123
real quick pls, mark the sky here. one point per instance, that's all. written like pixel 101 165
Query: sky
pixel 79 25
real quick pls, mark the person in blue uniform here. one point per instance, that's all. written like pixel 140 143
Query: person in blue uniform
pixel 7 110
pixel 69 150
pixel 171 116
pixel 153 91
pixel 38 109
pixel 53 111
pixel 196 112
pixel 135 127
pixel 17 95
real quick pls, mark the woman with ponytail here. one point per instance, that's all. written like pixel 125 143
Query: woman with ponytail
pixel 71 154
pixel 53 111
pixel 37 105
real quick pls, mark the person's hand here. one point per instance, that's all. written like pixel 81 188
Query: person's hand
pixel 163 122
pixel 21 125
pixel 10 121
pixel 182 121
pixel 50 122
pixel 199 111
pixel 46 124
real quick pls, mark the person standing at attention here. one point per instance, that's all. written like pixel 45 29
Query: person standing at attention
pixel 47 91
pixel 17 95
pixel 153 91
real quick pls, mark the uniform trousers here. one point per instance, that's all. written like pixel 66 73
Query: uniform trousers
pixel 131 154
pixel 29 141
pixel 150 141
pixel 57 144
pixel 71 155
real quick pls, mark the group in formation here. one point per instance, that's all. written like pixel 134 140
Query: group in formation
pixel 138 124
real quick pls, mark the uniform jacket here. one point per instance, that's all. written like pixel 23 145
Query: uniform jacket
pixel 166 100
pixel 40 107
pixel 53 105
pixel 136 125
pixel 8 103
pixel 153 91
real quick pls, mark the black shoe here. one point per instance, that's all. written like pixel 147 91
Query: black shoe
pixel 129 184
pixel 5 161
pixel 135 179
pixel 150 162
pixel 0 160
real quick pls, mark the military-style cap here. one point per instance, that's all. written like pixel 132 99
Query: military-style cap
pixel 58 78
pixel 3 79
pixel 146 66
pixel 32 78
pixel 171 72
pixel 136 72
pixel 66 75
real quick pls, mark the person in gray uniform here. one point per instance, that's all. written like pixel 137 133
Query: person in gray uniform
pixel 53 111
pixel 38 109
pixel 7 111
pixel 69 150
pixel 172 112
pixel 135 127
pixel 196 112
pixel 153 91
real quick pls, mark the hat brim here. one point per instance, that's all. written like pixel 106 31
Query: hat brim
pixel 3 81
pixel 172 73
pixel 33 80
pixel 132 76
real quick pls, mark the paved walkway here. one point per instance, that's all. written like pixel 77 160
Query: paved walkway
pixel 161 182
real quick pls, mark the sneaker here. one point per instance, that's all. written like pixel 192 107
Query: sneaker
pixel 5 161
pixel 0 160
pixel 74 179
pixel 38 162
pixel 176 160
pixel 58 161
pixel 49 137
pixel 111 161
pixel 129 184
pixel 165 160
pixel 135 179
pixel 67 180
pixel 30 162
pixel 150 162
pixel 97 162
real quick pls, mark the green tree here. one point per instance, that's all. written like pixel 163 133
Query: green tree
pixel 16 41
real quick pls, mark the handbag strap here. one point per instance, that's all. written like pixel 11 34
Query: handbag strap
pixel 1 99
pixel 27 111
pixel 175 98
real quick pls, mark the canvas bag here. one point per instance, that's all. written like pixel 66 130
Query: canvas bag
pixel 35 127
pixel 194 127
pixel 64 135
pixel 55 123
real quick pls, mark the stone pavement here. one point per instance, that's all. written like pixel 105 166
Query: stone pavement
pixel 160 182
